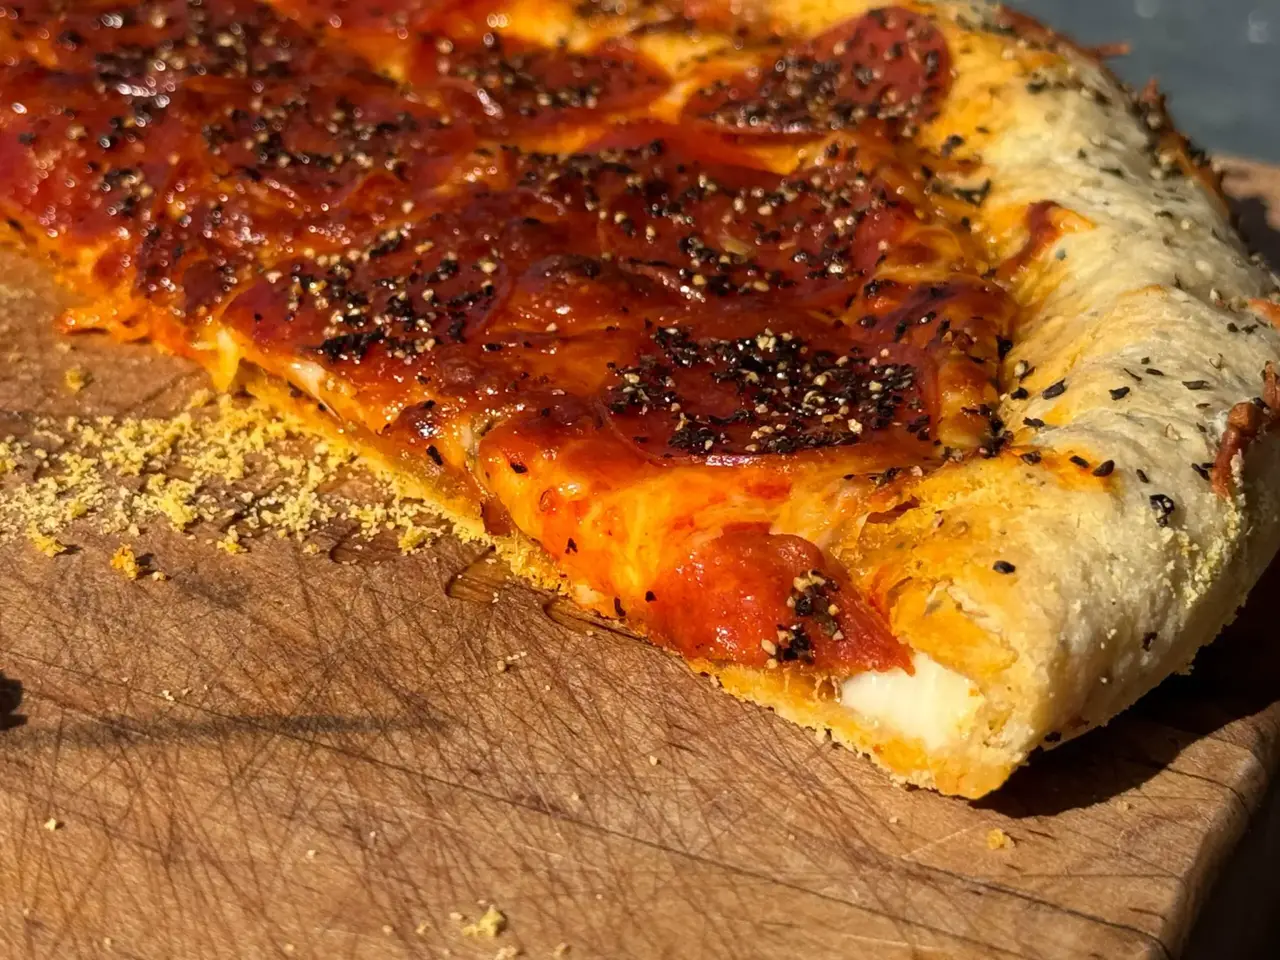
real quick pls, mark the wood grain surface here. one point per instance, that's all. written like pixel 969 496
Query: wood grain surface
pixel 273 754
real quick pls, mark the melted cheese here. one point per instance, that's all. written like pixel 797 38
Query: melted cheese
pixel 933 705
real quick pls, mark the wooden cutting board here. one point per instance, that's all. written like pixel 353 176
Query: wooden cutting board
pixel 273 754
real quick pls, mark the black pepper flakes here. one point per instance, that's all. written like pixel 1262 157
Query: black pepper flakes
pixel 1164 507
pixel 571 546
pixel 1196 384
pixel 1079 461
pixel 1119 393
pixel 1003 566
pixel 1105 468
pixel 1054 390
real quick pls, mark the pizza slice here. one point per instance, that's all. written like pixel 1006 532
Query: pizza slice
pixel 891 365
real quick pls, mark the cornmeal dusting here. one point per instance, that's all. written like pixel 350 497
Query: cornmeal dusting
pixel 75 379
pixel 490 925
pixel 126 561
pixel 49 546
pixel 997 839
pixel 225 471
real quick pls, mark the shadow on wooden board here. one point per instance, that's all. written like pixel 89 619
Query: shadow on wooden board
pixel 10 701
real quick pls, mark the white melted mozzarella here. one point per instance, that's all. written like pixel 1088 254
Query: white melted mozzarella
pixel 932 705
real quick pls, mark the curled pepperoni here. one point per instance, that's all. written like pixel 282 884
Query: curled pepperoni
pixel 749 596
pixel 890 65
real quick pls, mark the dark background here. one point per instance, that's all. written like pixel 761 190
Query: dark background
pixel 1219 60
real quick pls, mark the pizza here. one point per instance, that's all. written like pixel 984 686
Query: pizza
pixel 892 365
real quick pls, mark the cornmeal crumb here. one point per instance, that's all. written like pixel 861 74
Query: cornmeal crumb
pixel 506 953
pixel 52 824
pixel 997 839
pixel 561 949
pixel 49 546
pixel 126 561
pixel 414 537
pixel 75 379
pixel 489 925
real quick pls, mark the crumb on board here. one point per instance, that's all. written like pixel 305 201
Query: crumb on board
pixel 229 542
pixel 52 824
pixel 997 839
pixel 560 950
pixel 490 924
pixel 75 379
pixel 507 953
pixel 50 546
pixel 126 561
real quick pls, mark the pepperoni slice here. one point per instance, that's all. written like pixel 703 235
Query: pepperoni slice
pixel 311 149
pixel 370 24
pixel 889 65
pixel 504 86
pixel 147 49
pixel 766 391
pixel 708 228
pixel 574 294
pixel 749 596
